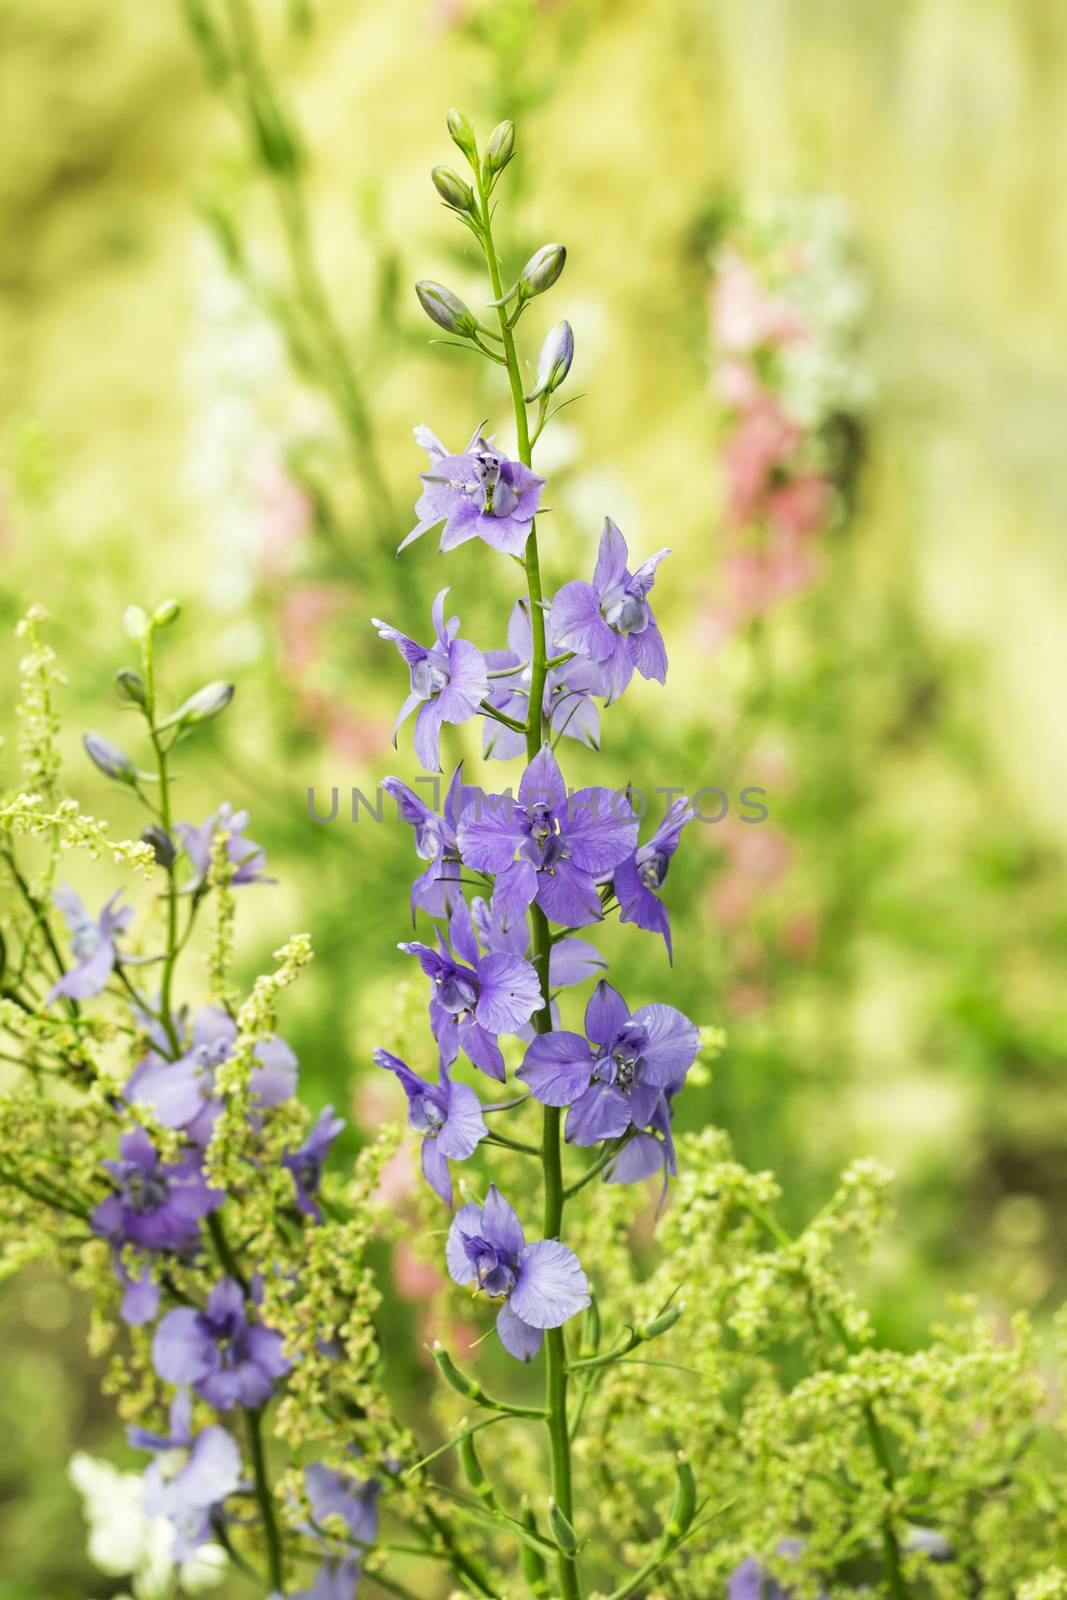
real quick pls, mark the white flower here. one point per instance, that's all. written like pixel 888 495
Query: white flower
pixel 123 1542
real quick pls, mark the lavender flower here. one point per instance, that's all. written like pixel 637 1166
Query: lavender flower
pixel 436 889
pixel 550 847
pixel 474 998
pixel 637 879
pixel 156 1204
pixel 226 1358
pixel 192 1475
pixel 331 1494
pixel 618 1078
pixel 447 1114
pixel 448 681
pixel 567 704
pixel 92 942
pixel 182 1093
pixel 306 1164
pixel 571 961
pixel 140 1297
pixel 610 620
pixel 479 494
pixel 751 1581
pixel 248 859
pixel 541 1285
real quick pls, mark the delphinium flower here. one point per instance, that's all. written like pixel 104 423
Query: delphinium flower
pixel 473 997
pixel 436 889
pixel 478 494
pixel 191 1476
pixel 752 1581
pixel 610 620
pixel 618 1078
pixel 355 1501
pixel 306 1163
pixel 548 846
pixel 569 688
pixel 125 1543
pixel 572 960
pixel 637 879
pixel 247 859
pixel 92 941
pixel 157 1204
pixel 541 1285
pixel 182 1093
pixel 219 1352
pixel 448 1114
pixel 448 681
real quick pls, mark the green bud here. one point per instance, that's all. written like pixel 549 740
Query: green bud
pixel 684 1504
pixel 446 309
pixel 542 270
pixel 165 614
pixel 533 1566
pixel 452 1375
pixel 562 1531
pixel 131 684
pixel 454 191
pixel 473 1470
pixel 463 135
pixel 135 622
pixel 500 149
pixel 110 758
pixel 660 1324
pixel 162 845
pixel 590 1332
pixel 202 706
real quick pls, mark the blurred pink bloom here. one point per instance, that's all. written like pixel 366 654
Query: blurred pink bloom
pixel 284 514
pixel 736 383
pixel 763 440
pixel 376 1101
pixel 758 856
pixel 800 506
pixel 398 1176
pixel 414 1279
pixel 352 738
pixel 305 612
pixel 744 314
pixel 800 935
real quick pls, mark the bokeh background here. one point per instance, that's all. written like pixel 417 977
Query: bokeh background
pixel 887 951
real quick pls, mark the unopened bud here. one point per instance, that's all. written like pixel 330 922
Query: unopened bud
pixel 590 1331
pixel 206 703
pixel 452 1375
pixel 135 622
pixel 446 309
pixel 132 686
pixel 542 270
pixel 165 613
pixel 453 189
pixel 684 1505
pixel 533 1566
pixel 562 1531
pixel 660 1324
pixel 112 761
pixel 554 362
pixel 462 134
pixel 473 1470
pixel 500 149
pixel 162 845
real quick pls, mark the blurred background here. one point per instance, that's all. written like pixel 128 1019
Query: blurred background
pixel 816 280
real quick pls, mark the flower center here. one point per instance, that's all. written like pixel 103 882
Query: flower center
pixel 142 1191
pixel 498 497
pixel 624 612
pixel 497 1271
pixel 622 1063
pixel 426 1116
pixel 457 990
pixel 429 677
pixel 653 869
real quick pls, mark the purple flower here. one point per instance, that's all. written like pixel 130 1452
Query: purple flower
pixel 541 1285
pixel 156 1204
pixel 448 681
pixel 572 960
pixel 480 494
pixel 191 1476
pixel 475 997
pixel 619 1078
pixel 247 858
pixel 306 1164
pixel 226 1358
pixel 549 847
pixel 751 1581
pixel 140 1297
pixel 566 706
pixel 182 1093
pixel 331 1494
pixel 92 942
pixel 637 879
pixel 436 889
pixel 447 1114
pixel 610 620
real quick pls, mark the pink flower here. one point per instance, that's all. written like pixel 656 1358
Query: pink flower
pixel 305 612
pixel 801 506
pixel 764 439
pixel 415 1280
pixel 744 313
pixel 284 514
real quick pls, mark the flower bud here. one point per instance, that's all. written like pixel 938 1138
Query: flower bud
pixel 132 686
pixel 562 1531
pixel 454 191
pixel 112 761
pixel 135 622
pixel 452 1375
pixel 462 134
pixel 473 1470
pixel 684 1505
pixel 500 149
pixel 165 613
pixel 446 309
pixel 533 1567
pixel 660 1324
pixel 202 706
pixel 162 845
pixel 590 1331
pixel 554 362
pixel 542 270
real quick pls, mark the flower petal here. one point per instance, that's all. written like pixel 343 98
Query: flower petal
pixel 602 1112
pixel 467 1222
pixel 551 1285
pixel 557 1068
pixel 673 1042
pixel 517 1337
pixel 606 1013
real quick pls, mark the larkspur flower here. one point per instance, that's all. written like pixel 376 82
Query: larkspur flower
pixel 568 707
pixel 473 997
pixel 92 941
pixel 182 1093
pixel 637 879
pixel 227 1359
pixel 548 846
pixel 479 494
pixel 191 1476
pixel 156 1204
pixel 610 620
pixel 140 1291
pixel 752 1581
pixel 616 1079
pixel 541 1285
pixel 334 1494
pixel 448 681
pixel 247 859
pixel 437 889
pixel 306 1163
pixel 571 961
pixel 447 1114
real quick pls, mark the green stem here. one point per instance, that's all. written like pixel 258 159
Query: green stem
pixel 265 1500
pixel 555 1348
pixel 161 752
